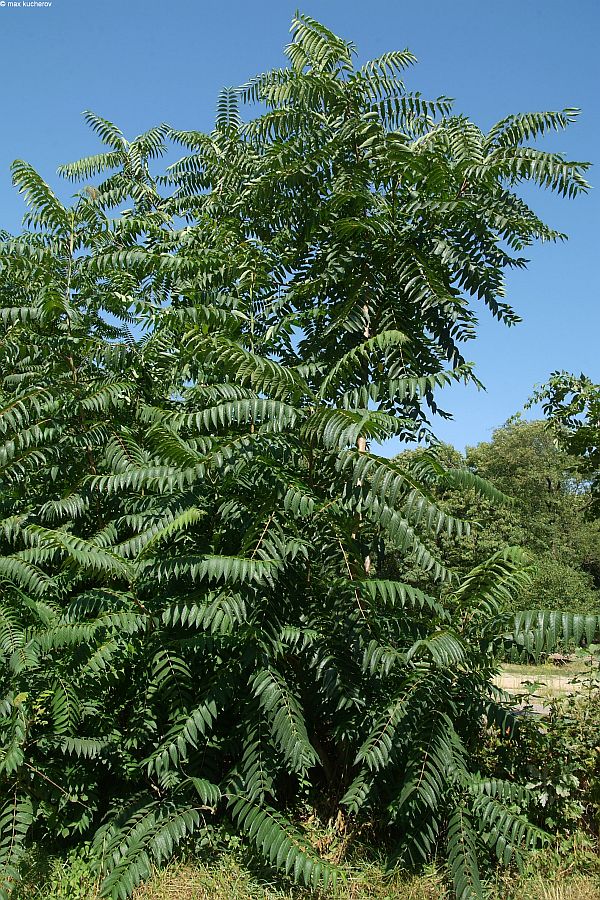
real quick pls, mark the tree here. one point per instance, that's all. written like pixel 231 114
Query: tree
pixel 547 517
pixel 572 406
pixel 551 502
pixel 187 627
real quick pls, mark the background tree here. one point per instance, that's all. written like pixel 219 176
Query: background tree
pixel 552 499
pixel 549 517
pixel 572 406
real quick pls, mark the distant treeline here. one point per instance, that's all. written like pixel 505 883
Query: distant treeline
pixel 551 516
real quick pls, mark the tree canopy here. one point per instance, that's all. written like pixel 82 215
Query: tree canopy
pixel 193 366
pixel 572 406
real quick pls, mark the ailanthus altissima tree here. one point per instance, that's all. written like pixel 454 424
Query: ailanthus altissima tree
pixel 192 623
pixel 572 406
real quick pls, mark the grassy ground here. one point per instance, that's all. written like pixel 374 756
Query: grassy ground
pixel 227 877
pixel 229 881
pixel 580 666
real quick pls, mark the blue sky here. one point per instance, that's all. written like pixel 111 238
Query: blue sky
pixel 141 62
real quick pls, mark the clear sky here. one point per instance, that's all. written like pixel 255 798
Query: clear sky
pixel 141 62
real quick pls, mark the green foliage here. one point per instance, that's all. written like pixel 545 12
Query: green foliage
pixel 277 841
pixel 572 406
pixel 558 759
pixel 549 516
pixel 193 367
pixel 15 820
pixel 570 872
pixel 536 633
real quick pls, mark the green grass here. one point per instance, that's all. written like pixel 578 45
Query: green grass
pixel 577 666
pixel 232 876
pixel 229 881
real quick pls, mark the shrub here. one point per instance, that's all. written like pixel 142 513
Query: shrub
pixel 558 757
